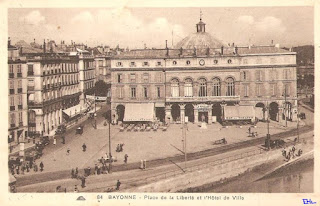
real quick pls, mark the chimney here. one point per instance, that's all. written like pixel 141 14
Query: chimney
pixel 44 46
pixel 222 50
pixel 236 50
pixel 271 42
pixel 9 41
pixel 34 40
pixel 181 50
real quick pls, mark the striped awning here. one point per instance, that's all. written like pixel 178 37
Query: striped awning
pixel 139 112
pixel 72 111
pixel 239 112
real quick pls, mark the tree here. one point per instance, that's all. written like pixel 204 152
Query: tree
pixel 101 88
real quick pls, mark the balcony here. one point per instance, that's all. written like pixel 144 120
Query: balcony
pixel 30 73
pixel 11 75
pixel 12 125
pixel 19 74
pixel 20 124
pixel 11 91
pixel 30 88
pixel 19 106
pixel 203 99
pixel 32 124
pixel 19 90
pixel 12 108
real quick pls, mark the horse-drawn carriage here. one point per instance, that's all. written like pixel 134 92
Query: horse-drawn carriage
pixel 79 129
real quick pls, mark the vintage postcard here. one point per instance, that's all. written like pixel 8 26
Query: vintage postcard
pixel 159 103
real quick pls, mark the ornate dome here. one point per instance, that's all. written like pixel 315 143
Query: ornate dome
pixel 199 40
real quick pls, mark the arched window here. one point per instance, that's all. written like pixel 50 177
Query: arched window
pixel 175 88
pixel 203 88
pixel 230 87
pixel 188 88
pixel 216 87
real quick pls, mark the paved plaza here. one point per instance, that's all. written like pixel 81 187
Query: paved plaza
pixel 146 145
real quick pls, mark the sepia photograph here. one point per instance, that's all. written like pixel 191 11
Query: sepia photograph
pixel 184 100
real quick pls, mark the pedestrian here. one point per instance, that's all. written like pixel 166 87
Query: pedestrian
pixel 99 170
pixel 76 188
pixel 121 147
pixel 35 167
pixel 72 173
pixel 118 148
pixel 17 169
pixel 22 169
pixel 249 130
pixel 27 166
pixel 76 173
pixel 84 147
pixel 41 166
pixel 63 139
pixel 54 141
pixel 89 171
pixel 126 158
pixel 118 185
pixel 68 151
pixel 83 182
pixel 96 169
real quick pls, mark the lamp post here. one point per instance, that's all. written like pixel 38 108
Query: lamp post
pixel 298 135
pixel 110 159
pixel 285 105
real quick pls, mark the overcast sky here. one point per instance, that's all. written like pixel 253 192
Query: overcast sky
pixel 134 27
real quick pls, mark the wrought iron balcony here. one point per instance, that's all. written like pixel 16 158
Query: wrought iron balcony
pixel 203 99
pixel 19 74
pixel 11 75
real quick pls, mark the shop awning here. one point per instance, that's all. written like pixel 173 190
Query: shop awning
pixel 72 111
pixel 239 112
pixel 139 112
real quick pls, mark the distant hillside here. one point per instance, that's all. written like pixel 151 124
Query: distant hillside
pixel 305 54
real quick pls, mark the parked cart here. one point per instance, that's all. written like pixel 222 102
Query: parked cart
pixel 220 141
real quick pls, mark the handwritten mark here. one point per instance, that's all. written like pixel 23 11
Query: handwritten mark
pixel 308 201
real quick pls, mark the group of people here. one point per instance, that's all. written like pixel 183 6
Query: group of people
pixel 291 153
pixel 26 166
pixel 252 133
pixel 120 147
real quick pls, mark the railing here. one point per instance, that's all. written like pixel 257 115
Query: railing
pixel 203 99
pixel 19 90
pixel 12 108
pixel 11 75
pixel 19 74
pixel 30 73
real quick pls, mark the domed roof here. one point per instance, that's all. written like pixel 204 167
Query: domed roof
pixel 199 40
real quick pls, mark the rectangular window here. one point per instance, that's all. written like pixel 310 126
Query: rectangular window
pixel 286 74
pixel 145 63
pixel 259 75
pixel 158 92
pixel 11 68
pixel 159 63
pixel 11 101
pixel 273 90
pixel 133 64
pixel 11 85
pixel 246 90
pixel 145 92
pixel 119 78
pixel 159 77
pixel 133 92
pixel 30 69
pixel 20 99
pixel 132 77
pixel 258 89
pixel 286 90
pixel 120 92
pixel 20 117
pixel 145 77
pixel 19 68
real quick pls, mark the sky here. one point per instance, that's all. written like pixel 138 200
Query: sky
pixel 136 27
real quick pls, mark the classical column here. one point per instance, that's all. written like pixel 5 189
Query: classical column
pixel 196 112
pixel 181 89
pixel 168 118
pixel 210 114
pixel 182 112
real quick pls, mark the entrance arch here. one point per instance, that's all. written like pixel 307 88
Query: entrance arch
pixel 120 112
pixel 261 105
pixel 273 111
pixel 217 111
pixel 189 112
pixel 175 112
